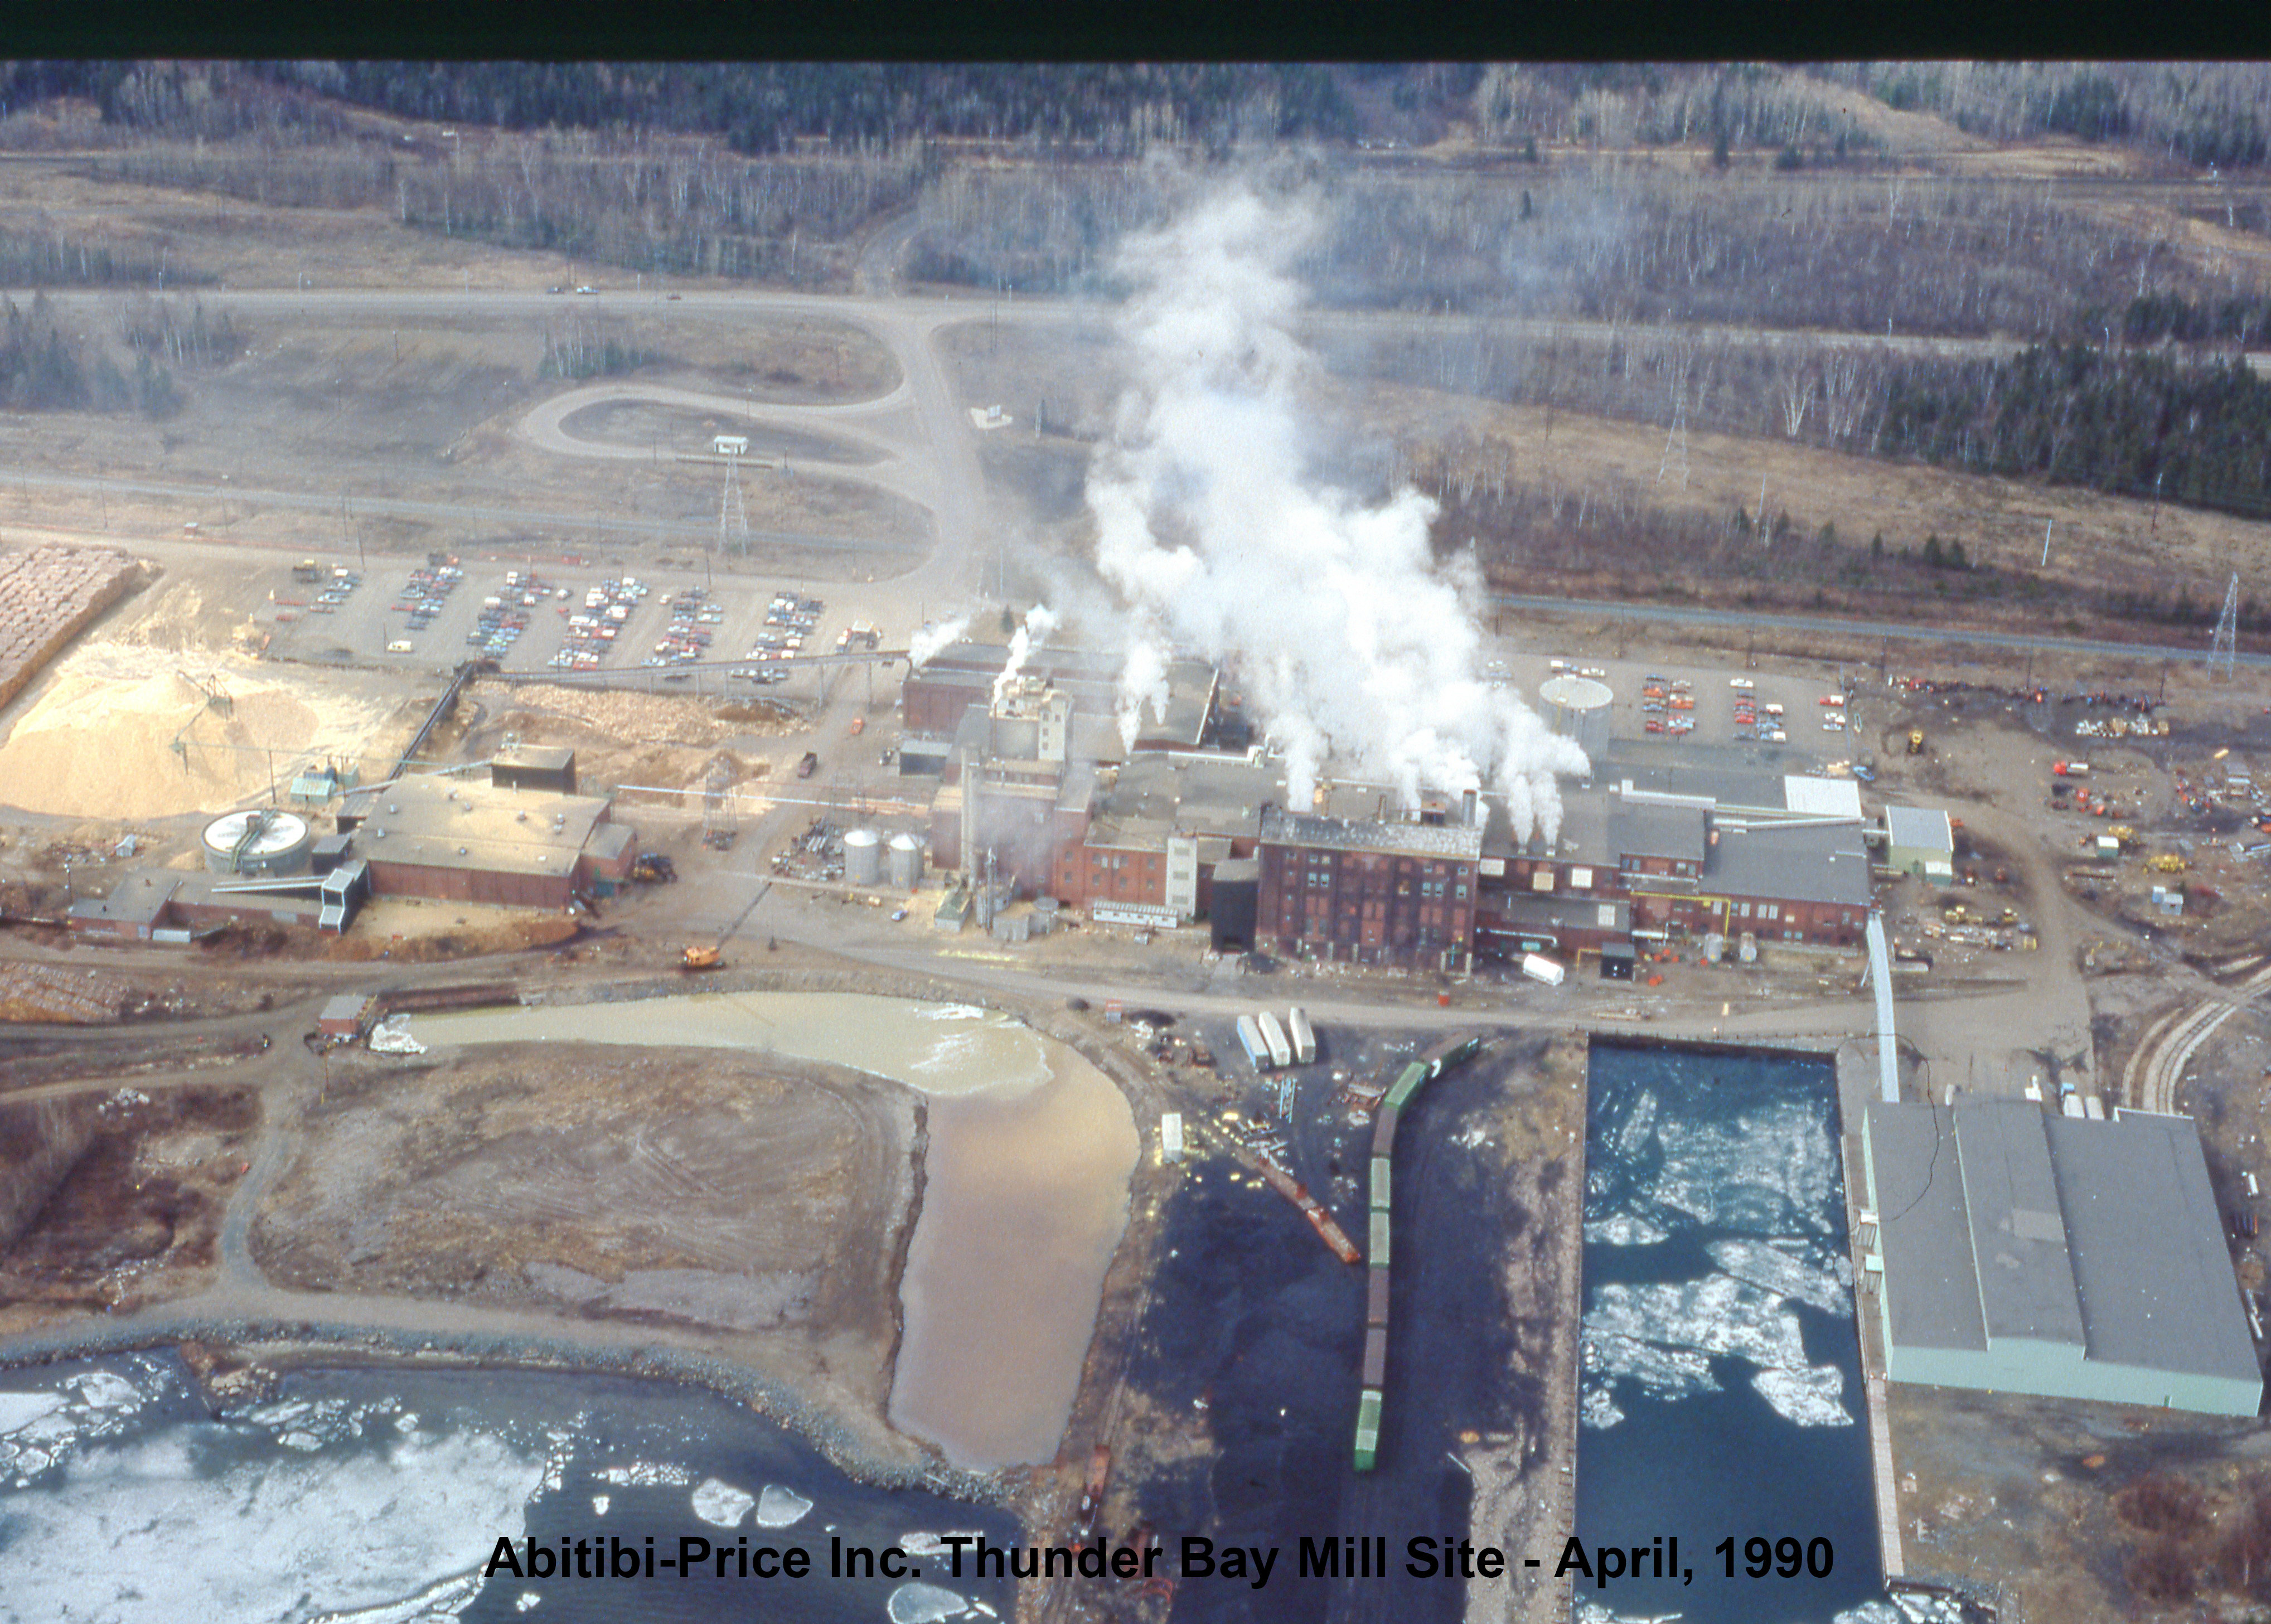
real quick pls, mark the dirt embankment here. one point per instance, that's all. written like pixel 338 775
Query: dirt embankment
pixel 670 1189
pixel 112 1201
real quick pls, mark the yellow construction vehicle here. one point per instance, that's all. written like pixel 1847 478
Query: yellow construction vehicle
pixel 698 958
pixel 1916 741
pixel 2124 834
pixel 2165 862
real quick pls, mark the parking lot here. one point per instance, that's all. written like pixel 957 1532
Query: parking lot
pixel 1715 716
pixel 443 610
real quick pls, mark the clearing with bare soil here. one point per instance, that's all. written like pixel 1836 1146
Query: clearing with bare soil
pixel 607 1183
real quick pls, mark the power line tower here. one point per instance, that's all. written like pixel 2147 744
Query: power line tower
pixel 1675 444
pixel 732 518
pixel 2226 649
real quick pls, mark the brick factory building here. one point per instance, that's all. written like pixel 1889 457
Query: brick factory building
pixel 461 841
pixel 1368 891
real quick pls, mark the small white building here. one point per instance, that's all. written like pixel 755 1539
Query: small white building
pixel 1921 841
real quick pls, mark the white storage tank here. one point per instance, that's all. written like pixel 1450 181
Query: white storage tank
pixel 863 857
pixel 906 861
pixel 258 842
pixel 1578 708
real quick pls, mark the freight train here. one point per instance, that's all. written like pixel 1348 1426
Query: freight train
pixel 1430 1063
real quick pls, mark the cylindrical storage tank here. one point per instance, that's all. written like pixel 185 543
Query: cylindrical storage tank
pixel 906 859
pixel 1578 708
pixel 863 857
pixel 257 843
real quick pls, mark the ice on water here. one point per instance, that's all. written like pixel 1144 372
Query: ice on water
pixel 720 1504
pixel 1768 1174
pixel 925 1604
pixel 1624 1229
pixel 780 1507
pixel 127 1536
pixel 1812 1396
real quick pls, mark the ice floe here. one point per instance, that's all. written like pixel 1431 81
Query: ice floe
pixel 720 1504
pixel 1625 1229
pixel 1812 1397
pixel 925 1604
pixel 780 1507
pixel 1772 1269
pixel 644 1474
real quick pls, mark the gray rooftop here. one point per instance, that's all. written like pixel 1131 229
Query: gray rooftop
pixel 139 898
pixel 2018 1236
pixel 1927 827
pixel 1644 830
pixel 2156 1282
pixel 1931 1291
pixel 1458 841
pixel 2000 1218
pixel 1791 862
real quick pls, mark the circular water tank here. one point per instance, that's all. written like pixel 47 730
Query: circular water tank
pixel 258 842
pixel 863 857
pixel 907 861
pixel 1578 708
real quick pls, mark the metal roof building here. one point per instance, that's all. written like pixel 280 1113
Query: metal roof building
pixel 2026 1253
pixel 1921 841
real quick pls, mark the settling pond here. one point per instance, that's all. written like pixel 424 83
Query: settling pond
pixel 1025 1198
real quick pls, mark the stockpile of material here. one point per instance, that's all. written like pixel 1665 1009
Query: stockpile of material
pixel 47 595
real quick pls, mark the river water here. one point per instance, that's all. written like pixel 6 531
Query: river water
pixel 378 1497
pixel 1024 1197
pixel 1720 1387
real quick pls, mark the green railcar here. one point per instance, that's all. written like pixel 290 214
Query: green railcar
pixel 1367 1430
pixel 1380 1184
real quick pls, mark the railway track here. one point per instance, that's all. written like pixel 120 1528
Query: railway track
pixel 2149 1083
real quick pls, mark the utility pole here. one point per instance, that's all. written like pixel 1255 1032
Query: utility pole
pixel 2047 543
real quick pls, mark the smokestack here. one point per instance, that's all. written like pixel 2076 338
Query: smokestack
pixel 1470 811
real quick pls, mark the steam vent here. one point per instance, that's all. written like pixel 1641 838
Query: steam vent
pixel 1577 708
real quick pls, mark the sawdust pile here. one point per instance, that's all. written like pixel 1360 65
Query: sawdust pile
pixel 101 741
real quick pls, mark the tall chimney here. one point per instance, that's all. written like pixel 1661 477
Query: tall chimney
pixel 1469 812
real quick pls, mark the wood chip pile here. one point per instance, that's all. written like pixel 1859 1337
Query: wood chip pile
pixel 51 993
pixel 47 595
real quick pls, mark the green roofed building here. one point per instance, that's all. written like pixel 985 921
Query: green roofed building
pixel 2026 1253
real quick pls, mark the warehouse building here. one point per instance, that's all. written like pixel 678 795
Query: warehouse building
pixel 2026 1253
pixel 462 841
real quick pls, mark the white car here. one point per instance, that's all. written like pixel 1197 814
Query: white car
pixel 1833 724
pixel 1744 684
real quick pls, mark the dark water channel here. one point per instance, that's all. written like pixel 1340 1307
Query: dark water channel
pixel 1257 1327
pixel 1722 1385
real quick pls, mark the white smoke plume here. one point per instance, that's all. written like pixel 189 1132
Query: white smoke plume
pixel 1353 642
pixel 1039 621
pixel 929 642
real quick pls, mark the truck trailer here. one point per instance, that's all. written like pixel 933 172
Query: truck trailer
pixel 1281 1053
pixel 1304 1036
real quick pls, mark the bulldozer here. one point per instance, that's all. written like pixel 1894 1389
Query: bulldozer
pixel 2165 862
